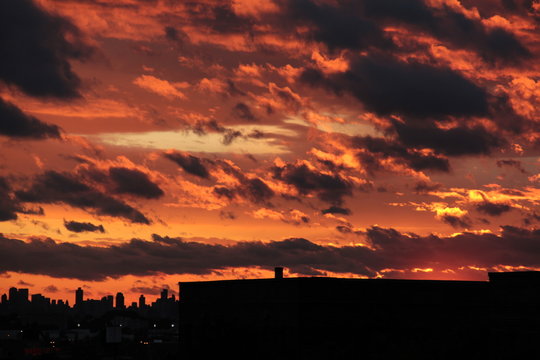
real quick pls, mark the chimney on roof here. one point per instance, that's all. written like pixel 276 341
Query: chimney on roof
pixel 278 272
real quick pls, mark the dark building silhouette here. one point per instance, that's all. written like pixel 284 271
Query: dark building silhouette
pixel 23 295
pixel 109 299
pixel 120 301
pixel 142 302
pixel 79 296
pixel 278 273
pixel 13 294
pixel 164 294
pixel 18 298
pixel 332 318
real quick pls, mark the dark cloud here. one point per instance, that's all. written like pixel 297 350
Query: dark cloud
pixel 227 215
pixel 255 134
pixel 338 27
pixel 218 17
pixel 389 249
pixel 222 191
pixel 24 283
pixel 493 209
pixel 53 187
pixel 388 86
pixel 36 53
pixel 423 94
pixel 33 211
pixel 50 289
pixel 230 135
pixel 344 229
pixel 458 222
pixel 516 4
pixel 134 182
pixel 359 25
pixel 16 124
pixel 286 96
pixel 423 187
pixel 447 24
pixel 252 189
pixel 189 163
pixel 9 206
pixel 138 257
pixel 521 7
pixel 147 290
pixel 328 187
pixel 175 35
pixel 336 210
pixel 511 192
pixel 503 114
pixel 513 247
pixel 452 142
pixel 516 164
pixel 233 89
pixel 255 190
pixel 79 227
pixel 530 218
pixel 377 149
pixel 243 112
pixel 408 11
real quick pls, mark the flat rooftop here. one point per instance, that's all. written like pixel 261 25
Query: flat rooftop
pixel 327 289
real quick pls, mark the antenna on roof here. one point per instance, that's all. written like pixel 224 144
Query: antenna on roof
pixel 278 272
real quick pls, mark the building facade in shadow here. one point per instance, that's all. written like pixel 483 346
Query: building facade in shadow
pixel 333 318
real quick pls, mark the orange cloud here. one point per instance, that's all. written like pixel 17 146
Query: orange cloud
pixel 254 8
pixel 161 87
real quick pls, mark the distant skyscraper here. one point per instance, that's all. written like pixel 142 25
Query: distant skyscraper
pixel 79 296
pixel 23 295
pixel 164 294
pixel 142 301
pixel 110 301
pixel 4 298
pixel 13 295
pixel 120 301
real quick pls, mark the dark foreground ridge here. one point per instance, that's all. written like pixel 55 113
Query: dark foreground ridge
pixel 334 318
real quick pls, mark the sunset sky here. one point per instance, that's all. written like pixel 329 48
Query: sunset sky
pixel 147 142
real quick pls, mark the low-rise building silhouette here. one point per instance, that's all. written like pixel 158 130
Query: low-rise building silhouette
pixel 335 318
